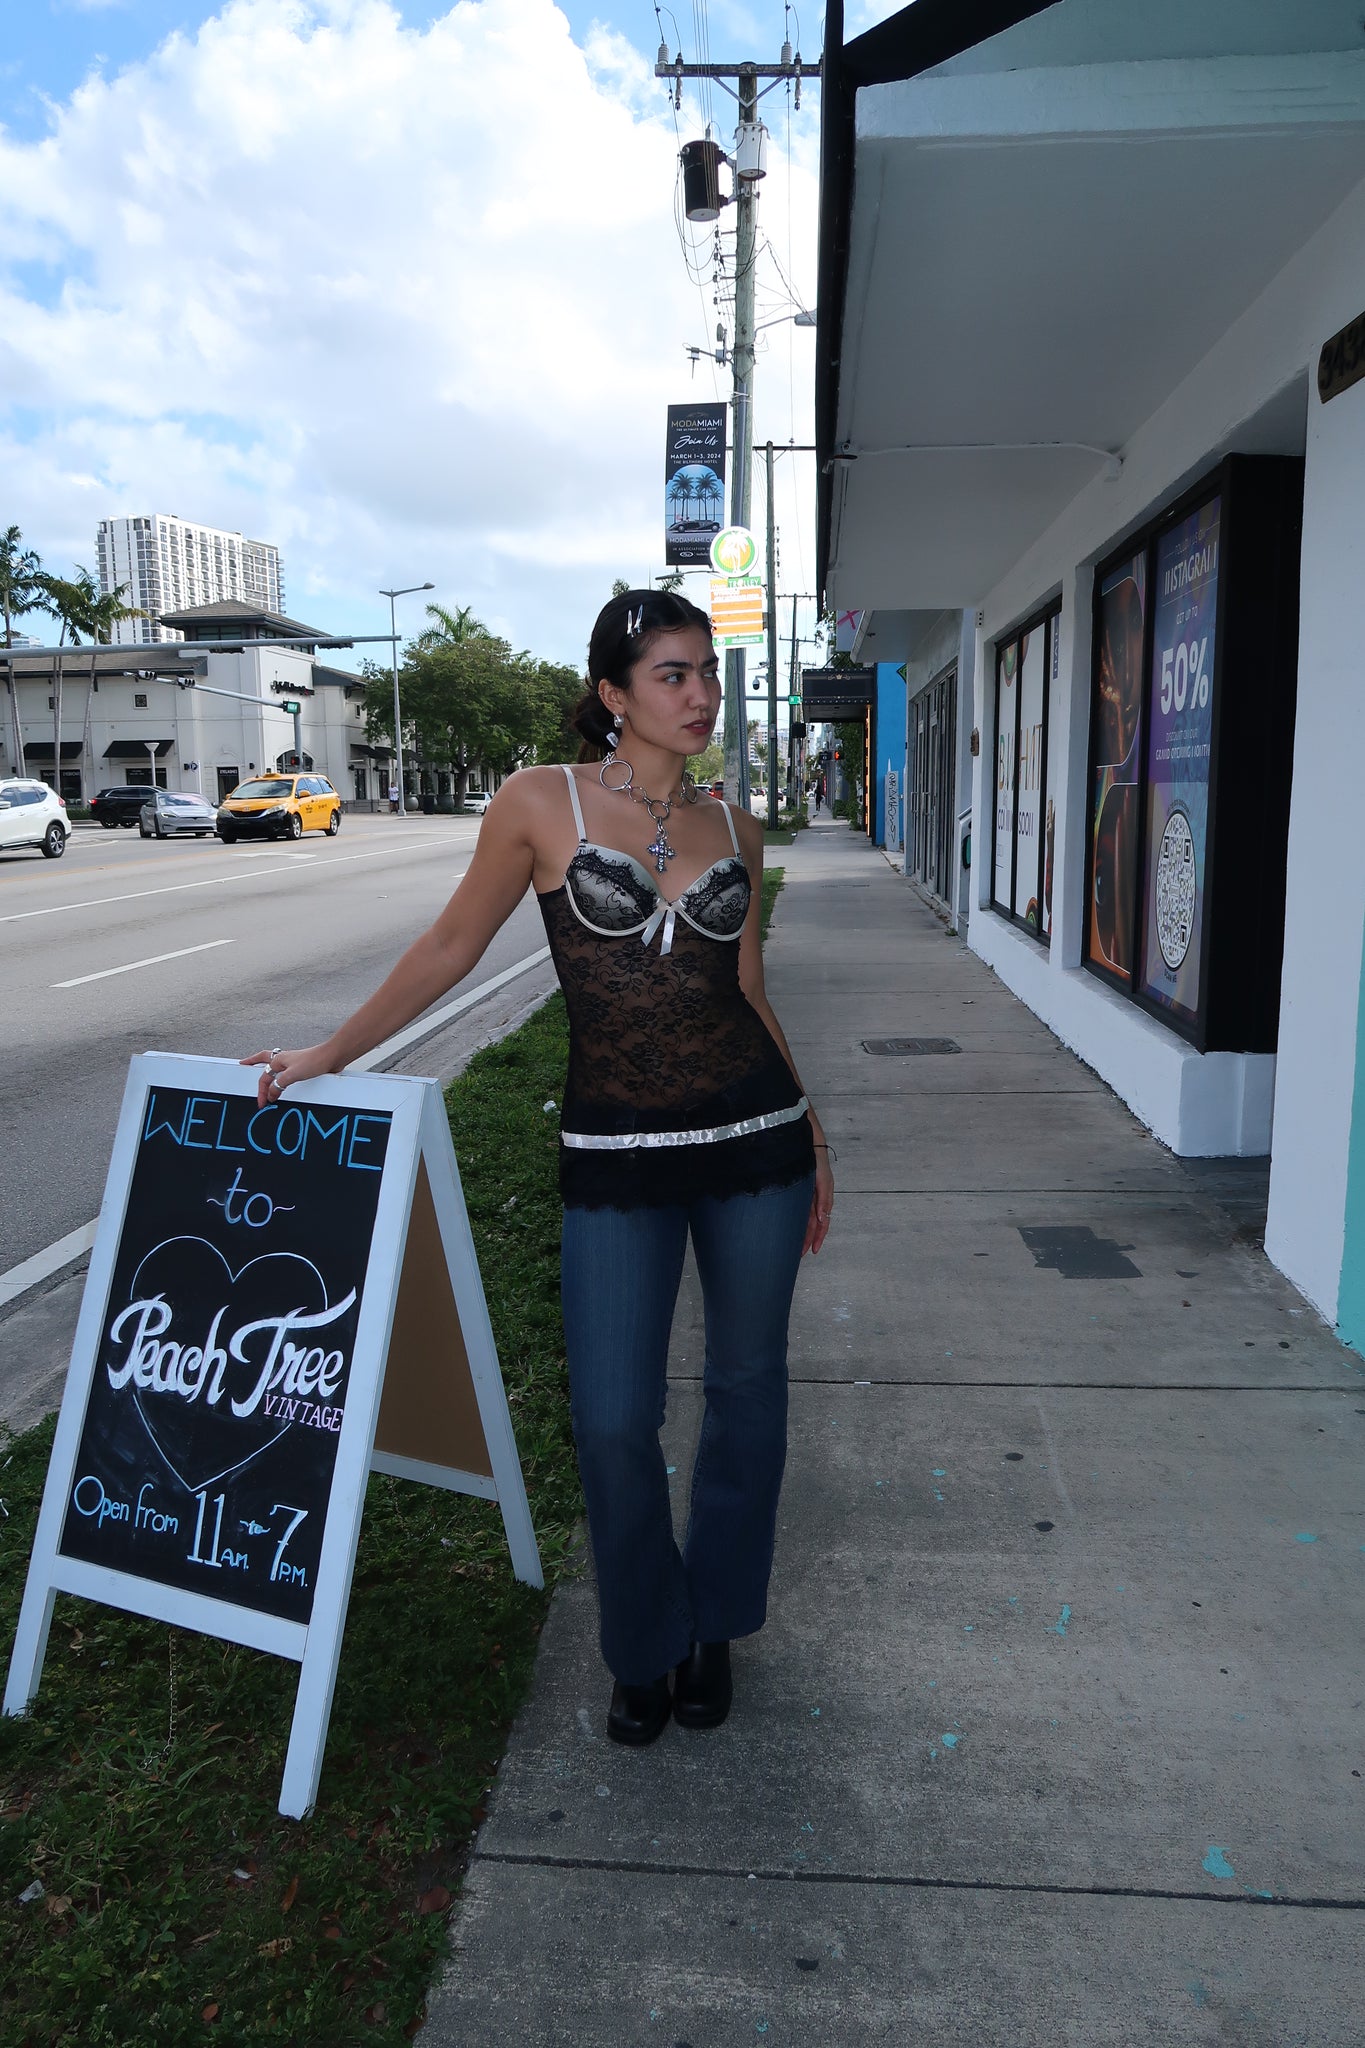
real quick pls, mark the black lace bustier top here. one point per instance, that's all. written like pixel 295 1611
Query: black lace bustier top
pixel 676 1087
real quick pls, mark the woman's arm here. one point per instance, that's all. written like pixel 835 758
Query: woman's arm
pixel 497 878
pixel 751 981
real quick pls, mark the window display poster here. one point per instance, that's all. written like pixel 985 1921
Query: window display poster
pixel 1029 779
pixel 1179 744
pixel 1120 610
pixel 1006 745
pixel 1054 625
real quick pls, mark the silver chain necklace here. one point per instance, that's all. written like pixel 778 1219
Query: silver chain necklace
pixel 660 808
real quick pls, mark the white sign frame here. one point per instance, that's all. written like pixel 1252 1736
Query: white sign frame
pixel 419 1141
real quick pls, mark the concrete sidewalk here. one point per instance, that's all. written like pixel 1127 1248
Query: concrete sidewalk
pixel 1054 1734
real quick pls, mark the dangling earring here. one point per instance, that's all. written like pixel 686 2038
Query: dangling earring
pixel 614 736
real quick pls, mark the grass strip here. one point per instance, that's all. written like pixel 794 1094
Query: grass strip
pixel 773 879
pixel 177 1905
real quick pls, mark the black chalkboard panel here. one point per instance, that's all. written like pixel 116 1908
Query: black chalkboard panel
pixel 209 1437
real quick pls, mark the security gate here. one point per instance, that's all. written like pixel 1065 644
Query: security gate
pixel 932 792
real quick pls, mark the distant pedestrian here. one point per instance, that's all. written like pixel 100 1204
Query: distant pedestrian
pixel 394 794
pixel 819 791
pixel 682 1113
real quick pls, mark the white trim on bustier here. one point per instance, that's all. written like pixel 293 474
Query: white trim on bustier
pixel 595 1141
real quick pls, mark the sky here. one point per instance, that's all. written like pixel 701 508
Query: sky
pixel 398 289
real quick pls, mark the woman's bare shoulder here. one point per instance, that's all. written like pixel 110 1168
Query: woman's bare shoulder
pixel 531 791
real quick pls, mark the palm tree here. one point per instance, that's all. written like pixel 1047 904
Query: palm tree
pixel 451 627
pixel 20 592
pixel 679 491
pixel 69 599
pixel 105 609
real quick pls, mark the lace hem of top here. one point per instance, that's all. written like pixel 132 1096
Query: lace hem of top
pixel 686 1173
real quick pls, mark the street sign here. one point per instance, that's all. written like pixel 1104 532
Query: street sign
pixel 279 1302
pixel 734 552
pixel 291 707
pixel 737 611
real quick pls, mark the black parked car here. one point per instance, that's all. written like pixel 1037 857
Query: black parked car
pixel 121 805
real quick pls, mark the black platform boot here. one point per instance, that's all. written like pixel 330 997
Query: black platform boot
pixel 702 1689
pixel 638 1713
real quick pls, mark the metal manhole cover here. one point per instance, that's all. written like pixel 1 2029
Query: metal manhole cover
pixel 902 1048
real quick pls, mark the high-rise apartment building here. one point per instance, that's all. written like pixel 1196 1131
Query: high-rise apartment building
pixel 170 564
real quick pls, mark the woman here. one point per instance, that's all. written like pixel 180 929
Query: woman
pixel 682 1111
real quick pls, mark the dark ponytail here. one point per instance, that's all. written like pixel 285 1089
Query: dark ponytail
pixel 614 650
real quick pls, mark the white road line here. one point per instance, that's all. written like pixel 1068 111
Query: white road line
pixel 424 1026
pixel 153 960
pixel 33 1271
pixel 45 1263
pixel 213 882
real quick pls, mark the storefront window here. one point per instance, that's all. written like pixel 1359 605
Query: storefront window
pixel 1179 751
pixel 1120 611
pixel 1006 757
pixel 1193 678
pixel 1021 878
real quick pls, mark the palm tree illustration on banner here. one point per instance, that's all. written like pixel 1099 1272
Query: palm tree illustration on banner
pixel 678 493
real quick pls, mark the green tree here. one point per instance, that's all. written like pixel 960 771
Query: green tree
pixel 466 703
pixel 20 592
pixel 70 599
pixel 451 627
pixel 558 687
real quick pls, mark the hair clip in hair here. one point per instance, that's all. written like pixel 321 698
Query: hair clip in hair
pixel 634 621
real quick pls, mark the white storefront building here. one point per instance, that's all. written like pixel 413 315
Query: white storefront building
pixel 120 722
pixel 1093 294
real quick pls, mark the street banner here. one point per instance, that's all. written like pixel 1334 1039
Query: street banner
pixel 694 483
pixel 1179 745
pixel 279 1302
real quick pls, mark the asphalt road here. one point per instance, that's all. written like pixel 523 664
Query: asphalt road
pixel 268 945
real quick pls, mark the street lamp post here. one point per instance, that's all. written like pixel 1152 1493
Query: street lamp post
pixel 397 729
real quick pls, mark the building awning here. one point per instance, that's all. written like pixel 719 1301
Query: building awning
pixel 41 750
pixel 360 752
pixel 963 406
pixel 135 750
pixel 829 695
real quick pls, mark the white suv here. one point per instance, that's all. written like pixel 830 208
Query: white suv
pixel 33 815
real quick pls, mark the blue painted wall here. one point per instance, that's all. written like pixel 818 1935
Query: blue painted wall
pixel 888 745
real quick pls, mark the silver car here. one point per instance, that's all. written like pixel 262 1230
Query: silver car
pixel 173 814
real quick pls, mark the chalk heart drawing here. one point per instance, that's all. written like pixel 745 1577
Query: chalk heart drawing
pixel 212 1357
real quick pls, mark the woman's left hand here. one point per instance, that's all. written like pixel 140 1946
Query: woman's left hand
pixel 822 1204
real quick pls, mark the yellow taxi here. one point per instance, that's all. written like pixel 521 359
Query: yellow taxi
pixel 279 807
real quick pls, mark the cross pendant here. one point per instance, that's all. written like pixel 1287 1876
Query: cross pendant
pixel 661 850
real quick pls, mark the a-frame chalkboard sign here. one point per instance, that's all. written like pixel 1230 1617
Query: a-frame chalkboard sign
pixel 279 1302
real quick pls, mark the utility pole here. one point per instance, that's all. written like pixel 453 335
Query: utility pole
pixel 742 436
pixel 795 767
pixel 773 776
pixel 748 169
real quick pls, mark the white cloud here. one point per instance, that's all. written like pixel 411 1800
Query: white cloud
pixel 409 303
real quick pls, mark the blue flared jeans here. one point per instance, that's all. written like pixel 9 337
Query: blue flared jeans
pixel 621 1270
